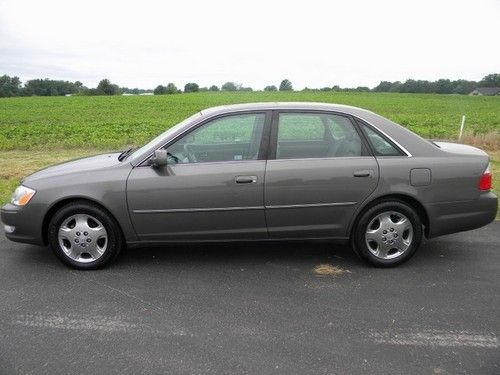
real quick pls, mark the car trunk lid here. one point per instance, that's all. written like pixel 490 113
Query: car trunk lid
pixel 458 148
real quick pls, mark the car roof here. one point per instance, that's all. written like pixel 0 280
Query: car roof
pixel 266 106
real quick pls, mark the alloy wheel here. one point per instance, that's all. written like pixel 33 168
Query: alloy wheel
pixel 83 238
pixel 389 235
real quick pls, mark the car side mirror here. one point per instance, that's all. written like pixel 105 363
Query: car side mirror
pixel 159 159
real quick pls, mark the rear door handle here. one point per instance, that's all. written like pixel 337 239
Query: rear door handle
pixel 363 173
pixel 245 179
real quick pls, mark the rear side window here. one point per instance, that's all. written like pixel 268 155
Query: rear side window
pixel 300 127
pixel 316 135
pixel 381 145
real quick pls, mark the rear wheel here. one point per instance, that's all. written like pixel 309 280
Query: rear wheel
pixel 84 236
pixel 388 234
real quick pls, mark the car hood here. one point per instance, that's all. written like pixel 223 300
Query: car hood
pixel 83 165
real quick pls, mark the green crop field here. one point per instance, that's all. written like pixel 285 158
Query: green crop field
pixel 36 131
pixel 116 121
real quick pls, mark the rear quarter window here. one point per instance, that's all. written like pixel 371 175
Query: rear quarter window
pixel 380 144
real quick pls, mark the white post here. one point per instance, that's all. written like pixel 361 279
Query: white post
pixel 461 128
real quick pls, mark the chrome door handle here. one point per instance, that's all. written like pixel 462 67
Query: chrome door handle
pixel 364 173
pixel 245 179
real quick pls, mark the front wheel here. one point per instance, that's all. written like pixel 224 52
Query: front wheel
pixel 387 234
pixel 84 236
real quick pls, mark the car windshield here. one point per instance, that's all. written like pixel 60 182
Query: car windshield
pixel 157 139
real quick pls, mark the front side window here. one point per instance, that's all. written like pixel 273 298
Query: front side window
pixel 316 135
pixel 229 138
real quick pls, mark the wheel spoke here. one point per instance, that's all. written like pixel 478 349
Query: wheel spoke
pixel 81 222
pixel 98 232
pixel 385 221
pixel 93 251
pixel 382 249
pixel 402 225
pixel 403 244
pixel 75 252
pixel 373 235
pixel 65 232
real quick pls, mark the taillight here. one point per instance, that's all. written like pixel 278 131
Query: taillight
pixel 486 180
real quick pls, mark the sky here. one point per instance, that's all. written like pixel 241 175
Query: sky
pixel 255 43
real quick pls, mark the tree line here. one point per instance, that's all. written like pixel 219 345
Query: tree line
pixel 12 86
pixel 441 86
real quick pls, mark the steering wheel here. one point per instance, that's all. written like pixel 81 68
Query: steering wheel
pixel 189 153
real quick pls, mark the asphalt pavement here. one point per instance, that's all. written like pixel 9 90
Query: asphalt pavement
pixel 254 309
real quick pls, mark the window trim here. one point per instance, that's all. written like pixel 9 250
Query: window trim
pixel 366 150
pixel 264 142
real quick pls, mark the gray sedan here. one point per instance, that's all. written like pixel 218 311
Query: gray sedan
pixel 270 171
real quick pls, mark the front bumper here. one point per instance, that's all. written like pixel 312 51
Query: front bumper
pixel 452 217
pixel 25 224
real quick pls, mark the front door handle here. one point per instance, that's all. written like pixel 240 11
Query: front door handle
pixel 245 179
pixel 363 173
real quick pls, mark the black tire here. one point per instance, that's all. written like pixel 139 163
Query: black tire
pixel 358 237
pixel 114 243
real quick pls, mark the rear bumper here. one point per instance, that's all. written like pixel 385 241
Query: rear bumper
pixel 24 225
pixel 452 217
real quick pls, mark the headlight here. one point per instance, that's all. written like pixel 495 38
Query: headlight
pixel 22 195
